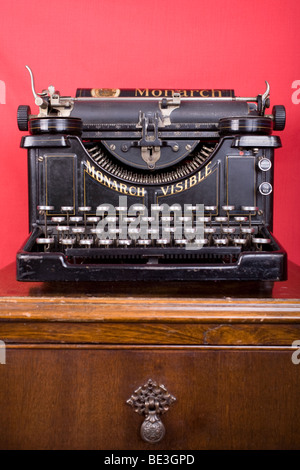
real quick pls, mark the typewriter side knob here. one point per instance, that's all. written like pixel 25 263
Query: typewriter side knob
pixel 23 114
pixel 279 117
pixel 245 125
pixel 57 125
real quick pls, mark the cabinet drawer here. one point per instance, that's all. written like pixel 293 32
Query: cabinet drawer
pixel 74 397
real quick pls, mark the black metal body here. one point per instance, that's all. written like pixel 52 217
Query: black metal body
pixel 198 164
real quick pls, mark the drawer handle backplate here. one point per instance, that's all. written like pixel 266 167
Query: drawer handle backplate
pixel 151 400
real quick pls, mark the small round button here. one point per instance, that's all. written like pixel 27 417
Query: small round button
pixel 265 189
pixel 264 164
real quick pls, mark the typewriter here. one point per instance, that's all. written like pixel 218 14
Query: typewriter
pixel 150 184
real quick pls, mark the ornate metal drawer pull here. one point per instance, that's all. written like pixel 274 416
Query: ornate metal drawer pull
pixel 151 400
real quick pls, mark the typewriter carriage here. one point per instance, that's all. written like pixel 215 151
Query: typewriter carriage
pixel 153 151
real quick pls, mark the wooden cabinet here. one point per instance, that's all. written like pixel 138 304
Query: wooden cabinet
pixel 76 353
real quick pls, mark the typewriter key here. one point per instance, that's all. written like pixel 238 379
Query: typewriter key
pixel 228 230
pixel 125 242
pixel 240 241
pixel 67 241
pixel 58 219
pixel 144 242
pixel 45 241
pixel 162 241
pixel 87 242
pixel 221 241
pixel 43 211
pixel 106 242
pixel 67 209
pixel 247 230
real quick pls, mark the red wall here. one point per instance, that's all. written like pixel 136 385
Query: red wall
pixel 160 44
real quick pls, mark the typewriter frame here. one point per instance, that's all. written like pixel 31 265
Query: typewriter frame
pixel 61 171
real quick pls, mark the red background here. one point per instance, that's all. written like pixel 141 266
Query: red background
pixel 156 44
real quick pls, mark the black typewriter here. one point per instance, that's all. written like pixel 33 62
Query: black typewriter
pixel 150 184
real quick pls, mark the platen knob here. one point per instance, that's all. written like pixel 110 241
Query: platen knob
pixel 279 114
pixel 23 117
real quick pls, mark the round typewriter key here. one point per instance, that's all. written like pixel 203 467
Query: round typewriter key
pixel 185 219
pixel 144 242
pixel 265 189
pixel 45 208
pixel 125 242
pixel 264 164
pixel 44 241
pixel 86 242
pixel 261 241
pixel 76 219
pixel 134 230
pixel 121 208
pixel 162 241
pixel 210 208
pixel 153 231
pixel 210 230
pixel 77 229
pixel 221 219
pixel 112 218
pixel 247 230
pixel 165 218
pixel 182 241
pixel 84 208
pixel 201 241
pixel 228 230
pixel 62 228
pixel 241 219
pixel 67 208
pixel 67 241
pixel 103 207
pixel 97 230
pixel 93 219
pixel 204 219
pixel 221 241
pixel 249 208
pixel 228 208
pixel 105 242
pixel 138 207
pixel 145 219
pixel 240 241
pixel 129 219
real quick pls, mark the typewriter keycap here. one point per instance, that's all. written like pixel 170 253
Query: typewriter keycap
pixel 105 242
pixel 162 241
pixel 210 230
pixel 240 241
pixel 45 208
pixel 78 229
pixel 210 208
pixel 44 241
pixel 84 208
pixel 249 208
pixel 241 219
pixel 228 208
pixel 228 229
pixel 221 219
pixel 204 219
pixel 67 241
pixel 76 219
pixel 261 241
pixel 182 241
pixel 94 220
pixel 67 208
pixel 221 241
pixel 62 228
pixel 86 242
pixel 125 242
pixel 58 220
pixel 247 230
pixel 144 242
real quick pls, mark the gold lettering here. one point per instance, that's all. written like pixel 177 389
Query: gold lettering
pixel 140 192
pixel 142 92
pixel 132 190
pixel 200 177
pixel 193 180
pixel 216 91
pixel 90 168
pixel 186 184
pixel 207 169
pixel 106 181
pixel 204 93
pixel 123 188
pixel 165 190
pixel 156 93
pixel 179 187
pixel 99 176
pixel 115 186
